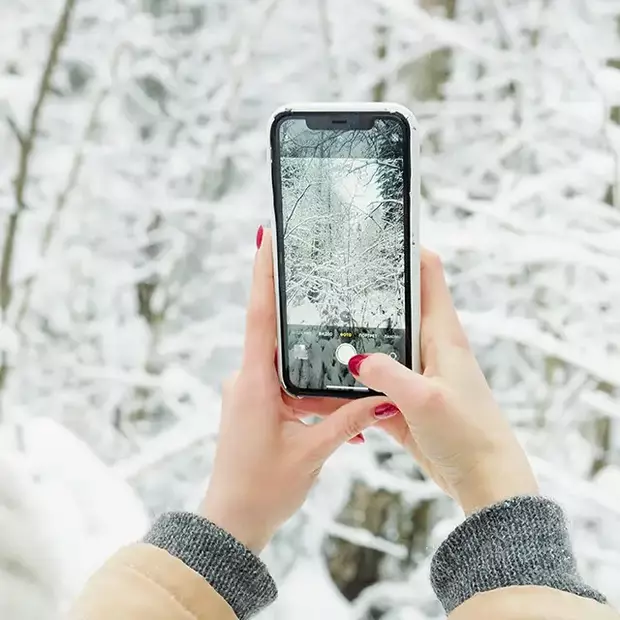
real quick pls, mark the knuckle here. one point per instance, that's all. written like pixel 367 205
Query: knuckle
pixel 377 365
pixel 381 370
pixel 352 426
pixel 435 399
pixel 460 341
pixel 261 311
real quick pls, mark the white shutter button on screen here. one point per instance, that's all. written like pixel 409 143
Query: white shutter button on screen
pixel 345 352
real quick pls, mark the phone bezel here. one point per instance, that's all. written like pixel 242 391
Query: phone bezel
pixel 352 117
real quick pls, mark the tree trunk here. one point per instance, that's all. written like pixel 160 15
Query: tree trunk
pixel 428 76
pixel 27 141
pixel 354 568
pixel 385 515
pixel 379 90
pixel 153 313
pixel 612 197
pixel 603 426
pixel 603 434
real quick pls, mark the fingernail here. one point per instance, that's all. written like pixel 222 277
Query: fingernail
pixel 386 410
pixel 259 237
pixel 355 362
pixel 358 439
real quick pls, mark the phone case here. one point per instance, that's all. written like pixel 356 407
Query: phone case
pixel 414 217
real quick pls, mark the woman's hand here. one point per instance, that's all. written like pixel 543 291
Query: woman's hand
pixel 267 459
pixel 451 422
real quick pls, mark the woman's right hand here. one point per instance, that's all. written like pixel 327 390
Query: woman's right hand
pixel 450 421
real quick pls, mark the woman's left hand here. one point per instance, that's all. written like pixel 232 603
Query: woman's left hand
pixel 267 459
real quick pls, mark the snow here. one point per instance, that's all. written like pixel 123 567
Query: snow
pixel 305 313
pixel 130 275
pixel 26 542
pixel 308 593
pixel 92 511
pixel 342 230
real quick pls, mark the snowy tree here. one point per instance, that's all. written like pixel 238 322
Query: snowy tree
pixel 133 176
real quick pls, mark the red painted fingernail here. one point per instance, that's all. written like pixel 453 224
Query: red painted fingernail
pixel 355 362
pixel 358 439
pixel 386 410
pixel 259 237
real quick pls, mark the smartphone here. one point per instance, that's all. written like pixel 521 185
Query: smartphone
pixel 345 181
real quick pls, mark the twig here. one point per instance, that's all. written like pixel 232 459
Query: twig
pixel 63 197
pixel 288 219
pixel 527 334
pixel 241 59
pixel 16 132
pixel 591 71
pixel 180 438
pixel 27 143
pixel 502 20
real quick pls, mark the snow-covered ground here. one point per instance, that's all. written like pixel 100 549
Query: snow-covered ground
pixel 63 513
pixel 305 313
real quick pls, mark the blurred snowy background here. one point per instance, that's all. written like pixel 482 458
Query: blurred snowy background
pixel 132 179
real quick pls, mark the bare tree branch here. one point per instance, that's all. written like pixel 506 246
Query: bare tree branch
pixel 15 129
pixel 63 197
pixel 27 143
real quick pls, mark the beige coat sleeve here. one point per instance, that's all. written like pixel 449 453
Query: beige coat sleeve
pixel 531 603
pixel 143 582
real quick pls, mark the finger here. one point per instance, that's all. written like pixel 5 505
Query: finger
pixel 228 385
pixel 313 406
pixel 260 330
pixel 322 411
pixel 439 320
pixel 347 423
pixel 419 398
pixel 398 429
pixel 321 407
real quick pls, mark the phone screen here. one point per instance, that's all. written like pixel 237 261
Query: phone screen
pixel 342 221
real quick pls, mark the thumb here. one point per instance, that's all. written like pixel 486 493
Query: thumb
pixel 347 422
pixel 419 398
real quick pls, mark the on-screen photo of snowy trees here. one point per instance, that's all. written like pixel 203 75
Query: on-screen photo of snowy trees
pixel 343 230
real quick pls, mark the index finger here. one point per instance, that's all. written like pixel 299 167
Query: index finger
pixel 419 398
pixel 313 405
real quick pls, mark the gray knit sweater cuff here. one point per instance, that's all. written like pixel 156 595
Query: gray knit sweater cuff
pixel 522 541
pixel 231 569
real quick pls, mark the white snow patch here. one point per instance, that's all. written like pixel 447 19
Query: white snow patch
pixel 91 510
pixel 309 593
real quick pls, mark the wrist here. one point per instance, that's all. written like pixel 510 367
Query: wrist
pixel 496 483
pixel 232 570
pixel 244 525
pixel 520 542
